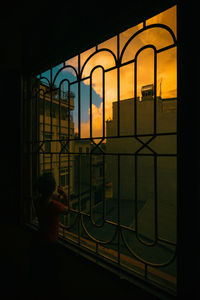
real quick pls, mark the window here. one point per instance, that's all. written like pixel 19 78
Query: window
pixel 120 152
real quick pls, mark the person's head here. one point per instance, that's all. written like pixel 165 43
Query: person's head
pixel 46 184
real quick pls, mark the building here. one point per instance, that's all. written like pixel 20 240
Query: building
pixel 147 92
pixel 88 175
pixel 155 157
pixel 56 124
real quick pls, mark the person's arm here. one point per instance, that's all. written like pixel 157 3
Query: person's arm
pixel 66 199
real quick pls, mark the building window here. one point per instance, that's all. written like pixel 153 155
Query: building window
pixel 120 148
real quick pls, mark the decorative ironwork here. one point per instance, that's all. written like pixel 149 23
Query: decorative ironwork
pixel 108 236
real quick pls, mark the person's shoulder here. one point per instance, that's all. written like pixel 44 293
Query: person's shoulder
pixel 56 203
pixel 58 206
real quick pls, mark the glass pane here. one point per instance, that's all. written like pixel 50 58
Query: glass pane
pixel 85 55
pixel 159 37
pixel 85 109
pixel 127 34
pixel 104 59
pixel 167 17
pixel 110 99
pixel 110 44
pixel 72 62
pixel 97 103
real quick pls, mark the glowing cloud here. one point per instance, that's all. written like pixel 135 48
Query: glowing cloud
pixel 166 68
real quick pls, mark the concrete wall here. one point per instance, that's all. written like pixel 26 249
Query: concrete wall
pixel 146 168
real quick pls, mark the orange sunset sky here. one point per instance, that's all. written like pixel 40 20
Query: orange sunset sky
pixel 166 67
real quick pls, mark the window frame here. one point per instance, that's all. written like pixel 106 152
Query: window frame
pixel 118 104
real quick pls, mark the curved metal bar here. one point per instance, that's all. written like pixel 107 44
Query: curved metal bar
pixel 103 88
pixel 103 80
pixel 94 53
pixel 169 261
pixel 91 217
pixel 60 84
pixel 65 67
pixel 65 79
pixel 96 67
pixel 103 93
pixel 148 244
pixel 93 238
pixel 92 220
pixel 70 226
pixel 165 241
pixel 151 46
pixel 142 30
pixel 46 79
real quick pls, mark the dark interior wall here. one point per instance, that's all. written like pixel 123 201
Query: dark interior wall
pixel 188 159
pixel 10 147
pixel 10 155
pixel 78 278
pixel 54 33
pixel 10 70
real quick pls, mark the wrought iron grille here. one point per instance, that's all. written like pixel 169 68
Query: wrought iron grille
pixel 115 151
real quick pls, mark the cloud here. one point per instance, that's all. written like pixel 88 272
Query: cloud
pixel 166 68
pixel 97 120
pixel 166 74
pixel 97 123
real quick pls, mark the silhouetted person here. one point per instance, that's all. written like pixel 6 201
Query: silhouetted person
pixel 43 261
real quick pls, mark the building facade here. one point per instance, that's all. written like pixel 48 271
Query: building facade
pixel 148 166
pixel 56 127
